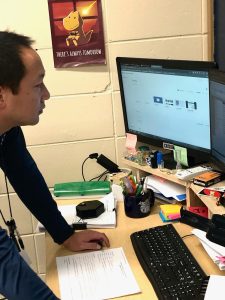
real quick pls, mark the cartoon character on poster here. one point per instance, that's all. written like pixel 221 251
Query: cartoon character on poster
pixel 74 24
pixel 77 32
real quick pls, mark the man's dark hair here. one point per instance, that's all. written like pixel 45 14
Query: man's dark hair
pixel 12 68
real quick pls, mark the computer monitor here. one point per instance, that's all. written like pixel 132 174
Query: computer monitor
pixel 217 96
pixel 167 101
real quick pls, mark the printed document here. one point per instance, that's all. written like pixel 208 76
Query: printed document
pixel 216 286
pixel 215 251
pixel 95 275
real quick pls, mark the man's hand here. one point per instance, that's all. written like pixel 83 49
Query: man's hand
pixel 86 240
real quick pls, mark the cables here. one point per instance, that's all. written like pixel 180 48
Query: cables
pixel 100 176
pixel 82 168
pixel 11 224
pixel 102 160
pixel 91 156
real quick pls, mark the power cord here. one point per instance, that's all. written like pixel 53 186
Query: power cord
pixel 102 160
pixel 100 176
pixel 11 224
pixel 91 156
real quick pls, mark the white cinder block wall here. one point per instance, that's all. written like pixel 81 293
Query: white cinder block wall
pixel 84 113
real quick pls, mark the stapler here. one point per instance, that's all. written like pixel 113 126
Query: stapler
pixel 214 228
pixel 216 232
pixel 194 220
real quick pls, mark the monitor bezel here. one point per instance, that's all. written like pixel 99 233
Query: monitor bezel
pixel 219 77
pixel 193 152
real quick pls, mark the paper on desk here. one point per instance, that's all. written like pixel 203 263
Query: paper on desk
pixel 214 250
pixel 202 236
pixel 106 220
pixel 214 256
pixel 95 275
pixel 216 286
pixel 166 187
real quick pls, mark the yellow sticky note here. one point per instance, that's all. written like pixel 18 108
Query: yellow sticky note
pixel 170 209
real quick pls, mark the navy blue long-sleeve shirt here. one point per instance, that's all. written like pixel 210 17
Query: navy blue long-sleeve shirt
pixel 17 280
pixel 29 184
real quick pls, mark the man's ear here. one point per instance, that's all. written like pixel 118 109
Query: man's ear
pixel 2 97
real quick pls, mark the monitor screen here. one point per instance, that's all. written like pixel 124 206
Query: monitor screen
pixel 217 95
pixel 167 101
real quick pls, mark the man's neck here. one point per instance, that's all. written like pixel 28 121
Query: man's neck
pixel 4 128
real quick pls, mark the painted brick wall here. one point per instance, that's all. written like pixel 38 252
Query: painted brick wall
pixel 84 113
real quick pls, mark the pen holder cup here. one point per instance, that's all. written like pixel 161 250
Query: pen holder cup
pixel 139 206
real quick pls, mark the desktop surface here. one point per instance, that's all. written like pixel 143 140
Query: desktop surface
pixel 120 237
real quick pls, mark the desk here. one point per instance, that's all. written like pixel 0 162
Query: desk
pixel 120 237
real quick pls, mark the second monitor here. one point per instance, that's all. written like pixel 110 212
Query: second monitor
pixel 217 96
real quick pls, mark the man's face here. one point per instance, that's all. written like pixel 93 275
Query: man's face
pixel 25 107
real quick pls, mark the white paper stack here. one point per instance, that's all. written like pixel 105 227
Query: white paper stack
pixel 215 251
pixel 168 189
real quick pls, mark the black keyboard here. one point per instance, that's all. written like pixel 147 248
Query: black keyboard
pixel 169 265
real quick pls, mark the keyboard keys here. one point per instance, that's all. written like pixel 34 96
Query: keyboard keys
pixel 169 265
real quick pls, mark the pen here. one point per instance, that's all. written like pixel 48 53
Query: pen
pixel 79 226
pixel 138 190
pixel 132 181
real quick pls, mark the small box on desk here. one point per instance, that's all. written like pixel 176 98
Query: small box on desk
pixel 208 178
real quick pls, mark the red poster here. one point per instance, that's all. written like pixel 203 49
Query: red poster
pixel 77 32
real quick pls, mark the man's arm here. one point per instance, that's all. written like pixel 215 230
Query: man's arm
pixel 30 185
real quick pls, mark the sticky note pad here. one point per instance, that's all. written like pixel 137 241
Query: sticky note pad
pixel 168 209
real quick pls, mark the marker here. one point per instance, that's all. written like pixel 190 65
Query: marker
pixel 138 190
